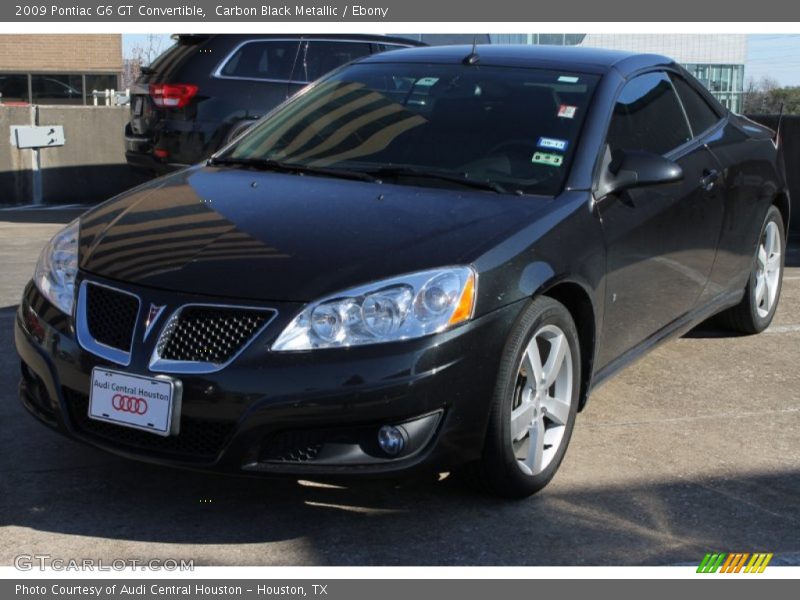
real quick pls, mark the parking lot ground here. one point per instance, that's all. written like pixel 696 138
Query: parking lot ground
pixel 695 448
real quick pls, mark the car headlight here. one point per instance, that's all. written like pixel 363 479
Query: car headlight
pixel 57 268
pixel 390 310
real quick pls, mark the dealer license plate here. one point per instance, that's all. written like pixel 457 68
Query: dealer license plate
pixel 147 403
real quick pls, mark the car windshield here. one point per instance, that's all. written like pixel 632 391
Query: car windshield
pixel 497 128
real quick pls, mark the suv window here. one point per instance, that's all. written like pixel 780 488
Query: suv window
pixel 271 59
pixel 701 115
pixel 320 57
pixel 387 47
pixel 648 116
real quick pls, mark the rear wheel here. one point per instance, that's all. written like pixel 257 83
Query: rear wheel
pixel 237 129
pixel 534 404
pixel 757 308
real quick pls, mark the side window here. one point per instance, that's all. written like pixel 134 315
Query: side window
pixel 701 115
pixel 322 57
pixel 262 60
pixel 648 116
pixel 387 47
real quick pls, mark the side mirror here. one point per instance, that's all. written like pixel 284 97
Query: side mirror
pixel 628 169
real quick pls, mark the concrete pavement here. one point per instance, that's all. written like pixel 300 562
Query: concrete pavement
pixel 694 449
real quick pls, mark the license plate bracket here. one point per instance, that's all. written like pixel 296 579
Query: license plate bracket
pixel 151 404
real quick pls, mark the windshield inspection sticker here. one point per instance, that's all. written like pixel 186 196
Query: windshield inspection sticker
pixel 567 79
pixel 552 144
pixel 546 158
pixel 567 111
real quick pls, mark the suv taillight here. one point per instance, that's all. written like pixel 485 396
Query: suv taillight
pixel 172 95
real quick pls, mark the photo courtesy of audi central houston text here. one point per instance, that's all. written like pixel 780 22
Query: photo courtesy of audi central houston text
pixel 424 261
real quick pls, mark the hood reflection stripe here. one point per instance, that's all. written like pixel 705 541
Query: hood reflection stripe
pixel 184 222
pixel 125 242
pixel 100 218
pixel 172 264
pixel 174 248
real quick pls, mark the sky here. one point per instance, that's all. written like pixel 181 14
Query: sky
pixel 773 55
pixel 776 56
pixel 131 40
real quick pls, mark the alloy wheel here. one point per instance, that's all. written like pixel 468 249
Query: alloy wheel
pixel 542 400
pixel 768 269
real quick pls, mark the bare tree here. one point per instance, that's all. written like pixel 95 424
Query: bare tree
pixel 141 55
pixel 762 96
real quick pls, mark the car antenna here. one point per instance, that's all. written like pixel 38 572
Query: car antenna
pixel 777 139
pixel 472 58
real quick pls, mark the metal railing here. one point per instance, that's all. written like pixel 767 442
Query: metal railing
pixel 111 97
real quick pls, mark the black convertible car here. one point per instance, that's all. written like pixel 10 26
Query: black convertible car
pixel 426 260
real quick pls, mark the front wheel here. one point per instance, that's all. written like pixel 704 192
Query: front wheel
pixel 534 404
pixel 756 310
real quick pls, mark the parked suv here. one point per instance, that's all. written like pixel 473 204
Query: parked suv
pixel 206 89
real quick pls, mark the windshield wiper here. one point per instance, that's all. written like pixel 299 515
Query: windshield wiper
pixel 451 176
pixel 270 164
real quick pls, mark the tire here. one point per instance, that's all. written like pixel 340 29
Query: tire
pixel 756 310
pixel 501 471
pixel 237 129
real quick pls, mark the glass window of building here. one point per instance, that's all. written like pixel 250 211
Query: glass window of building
pixel 54 88
pixel 725 82
pixel 100 83
pixel 13 87
pixel 57 89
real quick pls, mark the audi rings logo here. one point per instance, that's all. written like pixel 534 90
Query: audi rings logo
pixel 129 404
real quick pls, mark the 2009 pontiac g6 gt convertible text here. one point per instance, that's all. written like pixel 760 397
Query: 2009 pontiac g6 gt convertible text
pixel 426 260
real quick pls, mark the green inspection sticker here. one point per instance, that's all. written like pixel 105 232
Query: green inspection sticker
pixel 547 158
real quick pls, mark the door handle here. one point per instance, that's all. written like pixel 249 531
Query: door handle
pixel 709 178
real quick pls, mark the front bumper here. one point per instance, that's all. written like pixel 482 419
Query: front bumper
pixel 271 413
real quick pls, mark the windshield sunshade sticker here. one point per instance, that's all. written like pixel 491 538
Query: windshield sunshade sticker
pixel 548 158
pixel 567 111
pixel 567 79
pixel 552 144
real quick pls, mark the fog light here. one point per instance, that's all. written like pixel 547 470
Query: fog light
pixel 391 439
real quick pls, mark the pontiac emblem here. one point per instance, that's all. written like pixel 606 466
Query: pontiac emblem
pixel 152 316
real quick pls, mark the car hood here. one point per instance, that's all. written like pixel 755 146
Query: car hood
pixel 283 237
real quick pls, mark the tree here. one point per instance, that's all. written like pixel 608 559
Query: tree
pixel 767 96
pixel 141 55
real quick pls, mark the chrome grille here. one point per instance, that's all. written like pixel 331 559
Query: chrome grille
pixel 111 316
pixel 210 335
pixel 105 321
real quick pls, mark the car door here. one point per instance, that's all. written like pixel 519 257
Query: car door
pixel 661 240
pixel 257 75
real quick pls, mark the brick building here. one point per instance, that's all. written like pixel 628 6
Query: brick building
pixel 58 69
